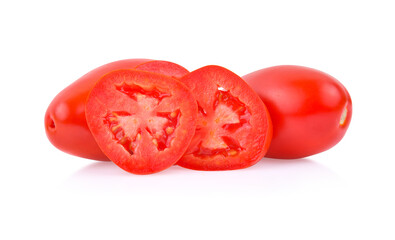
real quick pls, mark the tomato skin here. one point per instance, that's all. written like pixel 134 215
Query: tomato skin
pixel 310 109
pixel 65 122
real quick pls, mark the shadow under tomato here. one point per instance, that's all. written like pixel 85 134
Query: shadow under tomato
pixel 266 177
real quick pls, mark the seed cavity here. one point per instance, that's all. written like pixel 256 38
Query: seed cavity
pixel 163 138
pixel 233 148
pixel 135 91
pixel 112 121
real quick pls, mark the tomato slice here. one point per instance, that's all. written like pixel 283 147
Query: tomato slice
pixel 65 122
pixel 233 126
pixel 142 121
pixel 163 67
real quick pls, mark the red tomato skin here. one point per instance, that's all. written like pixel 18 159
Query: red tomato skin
pixel 65 122
pixel 306 108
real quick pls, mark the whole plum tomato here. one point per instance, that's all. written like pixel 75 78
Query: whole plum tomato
pixel 65 122
pixel 310 110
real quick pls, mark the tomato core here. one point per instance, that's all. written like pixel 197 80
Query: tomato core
pixel 126 127
pixel 227 115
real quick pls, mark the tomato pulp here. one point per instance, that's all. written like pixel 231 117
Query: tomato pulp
pixel 310 109
pixel 142 121
pixel 233 126
pixel 65 122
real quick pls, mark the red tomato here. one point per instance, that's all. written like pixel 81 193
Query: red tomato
pixel 310 110
pixel 233 126
pixel 65 122
pixel 142 121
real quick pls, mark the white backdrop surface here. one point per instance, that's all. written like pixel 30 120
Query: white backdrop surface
pixel 344 193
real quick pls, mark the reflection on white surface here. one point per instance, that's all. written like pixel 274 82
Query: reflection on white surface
pixel 267 176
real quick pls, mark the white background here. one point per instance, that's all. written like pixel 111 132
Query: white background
pixel 344 193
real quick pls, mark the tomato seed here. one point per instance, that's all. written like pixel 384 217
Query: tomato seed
pixel 115 128
pixel 169 130
pixel 232 152
pixel 155 142
pixel 173 114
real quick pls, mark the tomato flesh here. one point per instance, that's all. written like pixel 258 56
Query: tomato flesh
pixel 65 121
pixel 310 110
pixel 142 121
pixel 233 128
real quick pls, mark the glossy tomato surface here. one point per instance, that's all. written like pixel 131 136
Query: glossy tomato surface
pixel 233 126
pixel 65 122
pixel 142 121
pixel 310 109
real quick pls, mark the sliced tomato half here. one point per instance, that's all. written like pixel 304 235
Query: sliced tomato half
pixel 163 67
pixel 142 121
pixel 233 128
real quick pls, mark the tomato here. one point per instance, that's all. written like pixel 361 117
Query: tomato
pixel 310 109
pixel 142 121
pixel 65 122
pixel 233 126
